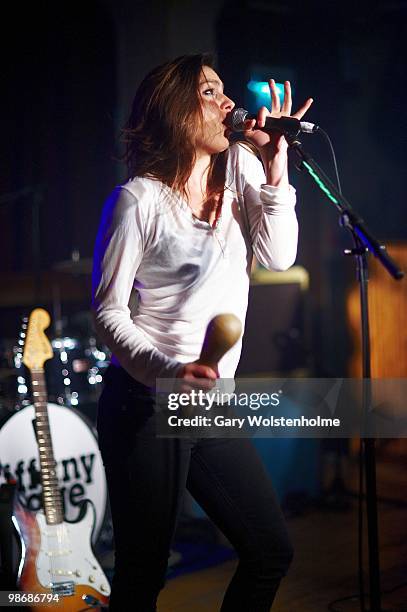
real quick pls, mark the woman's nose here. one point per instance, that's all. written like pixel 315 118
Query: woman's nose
pixel 227 104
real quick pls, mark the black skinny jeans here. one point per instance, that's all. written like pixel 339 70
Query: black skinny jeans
pixel 146 478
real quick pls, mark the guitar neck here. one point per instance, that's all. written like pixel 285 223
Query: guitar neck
pixel 51 494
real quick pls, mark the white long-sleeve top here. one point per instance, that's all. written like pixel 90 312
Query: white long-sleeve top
pixel 184 270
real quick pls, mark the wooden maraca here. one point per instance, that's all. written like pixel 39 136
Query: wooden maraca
pixel 222 333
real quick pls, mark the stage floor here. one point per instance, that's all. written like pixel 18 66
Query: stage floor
pixel 325 567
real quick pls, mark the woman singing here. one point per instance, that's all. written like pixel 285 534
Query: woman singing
pixel 181 232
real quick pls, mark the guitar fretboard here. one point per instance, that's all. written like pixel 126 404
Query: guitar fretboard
pixel 51 494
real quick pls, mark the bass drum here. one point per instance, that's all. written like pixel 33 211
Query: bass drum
pixel 80 468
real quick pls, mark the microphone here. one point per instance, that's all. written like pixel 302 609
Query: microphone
pixel 286 125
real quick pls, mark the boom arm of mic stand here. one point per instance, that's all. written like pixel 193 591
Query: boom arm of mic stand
pixel 353 221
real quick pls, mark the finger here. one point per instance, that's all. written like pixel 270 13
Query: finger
pixel 262 114
pixel 275 98
pixel 205 384
pixel 203 371
pixel 197 383
pixel 184 387
pixel 249 125
pixel 287 102
pixel 301 111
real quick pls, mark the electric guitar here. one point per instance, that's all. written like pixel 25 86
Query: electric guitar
pixel 57 566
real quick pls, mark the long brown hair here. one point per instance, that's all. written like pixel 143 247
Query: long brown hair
pixel 164 120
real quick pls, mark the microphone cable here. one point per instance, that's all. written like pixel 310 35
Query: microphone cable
pixel 319 130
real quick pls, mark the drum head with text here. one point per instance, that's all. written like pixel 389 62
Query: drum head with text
pixel 79 464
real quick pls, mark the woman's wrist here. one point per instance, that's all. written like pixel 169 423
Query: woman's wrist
pixel 276 169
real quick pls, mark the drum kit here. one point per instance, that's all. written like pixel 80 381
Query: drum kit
pixel 74 378
pixel 74 375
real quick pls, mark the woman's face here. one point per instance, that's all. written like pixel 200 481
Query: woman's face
pixel 212 137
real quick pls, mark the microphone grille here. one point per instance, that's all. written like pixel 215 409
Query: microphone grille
pixel 237 118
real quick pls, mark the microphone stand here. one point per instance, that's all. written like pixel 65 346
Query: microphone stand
pixel 364 242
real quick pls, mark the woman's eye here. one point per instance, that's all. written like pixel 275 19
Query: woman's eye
pixel 209 92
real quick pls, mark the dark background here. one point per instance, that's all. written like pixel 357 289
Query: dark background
pixel 69 72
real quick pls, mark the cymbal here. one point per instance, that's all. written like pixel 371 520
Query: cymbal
pixel 24 289
pixel 75 266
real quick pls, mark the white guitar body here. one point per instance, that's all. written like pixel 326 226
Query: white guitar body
pixel 66 554
pixel 59 559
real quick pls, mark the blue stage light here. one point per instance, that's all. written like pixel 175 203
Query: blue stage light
pixel 262 93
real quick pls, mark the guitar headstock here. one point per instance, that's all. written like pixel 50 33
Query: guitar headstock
pixel 37 348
